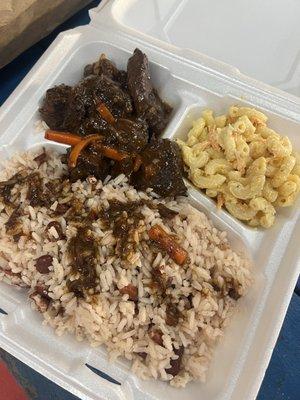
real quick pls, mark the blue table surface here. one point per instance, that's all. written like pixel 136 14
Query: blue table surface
pixel 282 379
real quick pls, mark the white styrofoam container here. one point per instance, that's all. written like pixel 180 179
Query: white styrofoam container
pixel 190 81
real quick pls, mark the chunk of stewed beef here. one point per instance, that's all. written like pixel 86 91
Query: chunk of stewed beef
pixel 90 163
pixel 128 135
pixel 81 115
pixel 161 169
pixel 106 67
pixel 55 106
pixel 147 102
pixel 115 98
pixel 103 66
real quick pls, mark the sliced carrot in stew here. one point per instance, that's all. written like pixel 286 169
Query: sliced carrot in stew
pixel 79 143
pixel 62 137
pixel 106 114
pixel 167 243
pixel 112 153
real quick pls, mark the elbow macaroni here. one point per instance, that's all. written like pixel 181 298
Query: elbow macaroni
pixel 242 163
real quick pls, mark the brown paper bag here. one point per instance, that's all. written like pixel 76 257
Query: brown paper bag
pixel 24 22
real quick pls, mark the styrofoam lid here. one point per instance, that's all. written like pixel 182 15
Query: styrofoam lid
pixel 260 38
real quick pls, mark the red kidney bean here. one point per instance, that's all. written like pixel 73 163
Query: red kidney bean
pixel 58 229
pixel 61 209
pixel 131 290
pixel 176 364
pixel 233 293
pixel 142 354
pixel 43 263
pixel 156 336
pixel 42 291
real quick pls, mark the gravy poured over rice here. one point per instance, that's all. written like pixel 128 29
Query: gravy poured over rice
pixel 62 241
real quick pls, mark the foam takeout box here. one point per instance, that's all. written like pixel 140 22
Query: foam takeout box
pixel 190 81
